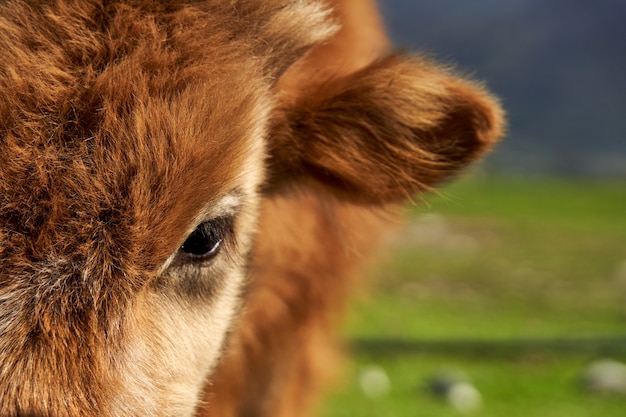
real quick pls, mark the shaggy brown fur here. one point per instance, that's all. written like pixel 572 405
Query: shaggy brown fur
pixel 125 125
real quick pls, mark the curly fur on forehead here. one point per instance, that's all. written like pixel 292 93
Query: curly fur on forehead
pixel 105 102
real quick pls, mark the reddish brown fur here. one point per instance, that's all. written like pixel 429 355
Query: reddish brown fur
pixel 121 122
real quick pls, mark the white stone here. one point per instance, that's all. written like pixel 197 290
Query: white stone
pixel 606 376
pixel 464 397
pixel 374 382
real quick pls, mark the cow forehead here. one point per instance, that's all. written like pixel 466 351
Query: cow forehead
pixel 119 137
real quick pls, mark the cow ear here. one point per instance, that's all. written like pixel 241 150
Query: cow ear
pixel 398 127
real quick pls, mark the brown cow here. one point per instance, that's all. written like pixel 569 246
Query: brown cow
pixel 175 172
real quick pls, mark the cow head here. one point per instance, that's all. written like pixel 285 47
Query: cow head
pixel 137 139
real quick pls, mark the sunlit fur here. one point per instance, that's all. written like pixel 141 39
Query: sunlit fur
pixel 124 125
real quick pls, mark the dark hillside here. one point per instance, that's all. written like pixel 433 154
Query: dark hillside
pixel 559 67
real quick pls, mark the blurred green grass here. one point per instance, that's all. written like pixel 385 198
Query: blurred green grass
pixel 493 260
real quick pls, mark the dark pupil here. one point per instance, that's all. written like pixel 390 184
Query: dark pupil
pixel 203 241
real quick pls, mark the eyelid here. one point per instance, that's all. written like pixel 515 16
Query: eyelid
pixel 229 205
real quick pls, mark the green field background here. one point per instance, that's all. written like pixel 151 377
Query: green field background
pixel 517 283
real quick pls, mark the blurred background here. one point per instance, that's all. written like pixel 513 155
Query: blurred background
pixel 505 293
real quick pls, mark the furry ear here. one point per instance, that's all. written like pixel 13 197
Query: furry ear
pixel 397 127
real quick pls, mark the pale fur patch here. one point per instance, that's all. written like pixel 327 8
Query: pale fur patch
pixel 315 16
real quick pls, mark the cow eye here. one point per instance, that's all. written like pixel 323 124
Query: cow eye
pixel 207 240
